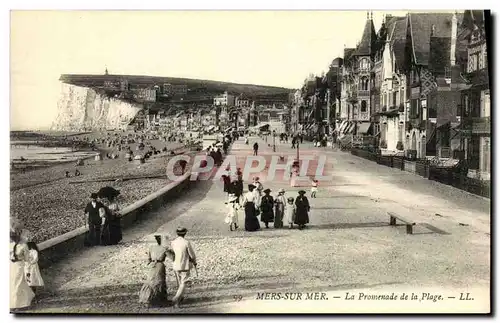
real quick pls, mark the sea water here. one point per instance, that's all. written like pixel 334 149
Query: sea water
pixel 40 153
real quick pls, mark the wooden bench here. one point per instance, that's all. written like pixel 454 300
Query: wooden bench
pixel 409 224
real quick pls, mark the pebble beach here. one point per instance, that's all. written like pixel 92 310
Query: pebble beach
pixel 50 204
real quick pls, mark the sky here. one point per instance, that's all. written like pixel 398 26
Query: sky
pixel 277 48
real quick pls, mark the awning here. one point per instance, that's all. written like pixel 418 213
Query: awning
pixel 350 128
pixel 342 125
pixel 346 127
pixel 264 127
pixel 364 127
pixel 444 126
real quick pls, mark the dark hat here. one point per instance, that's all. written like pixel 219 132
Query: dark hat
pixel 302 192
pixel 290 199
pixel 181 230
pixel 93 195
pixel 267 190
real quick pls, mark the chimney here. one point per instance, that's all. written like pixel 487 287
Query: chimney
pixel 453 39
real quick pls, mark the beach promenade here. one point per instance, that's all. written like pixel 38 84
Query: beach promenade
pixel 347 247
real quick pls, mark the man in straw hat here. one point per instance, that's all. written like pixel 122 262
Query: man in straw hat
pixel 185 260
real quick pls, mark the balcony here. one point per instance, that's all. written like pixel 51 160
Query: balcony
pixel 481 125
pixel 364 93
pixel 352 97
pixel 478 77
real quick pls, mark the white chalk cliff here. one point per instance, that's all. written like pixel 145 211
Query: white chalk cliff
pixel 82 108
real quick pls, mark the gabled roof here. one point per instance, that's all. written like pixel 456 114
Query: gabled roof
pixel 439 54
pixel 367 44
pixel 473 17
pixel 348 53
pixel 421 25
pixel 397 38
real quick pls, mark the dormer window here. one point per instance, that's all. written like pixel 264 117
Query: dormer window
pixel 363 64
pixel 447 73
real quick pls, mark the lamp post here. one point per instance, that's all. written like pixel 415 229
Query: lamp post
pixel 274 140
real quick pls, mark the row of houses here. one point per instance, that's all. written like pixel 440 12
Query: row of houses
pixel 226 99
pixel 418 87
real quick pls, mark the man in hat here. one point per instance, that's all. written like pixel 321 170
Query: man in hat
pixel 185 259
pixel 94 215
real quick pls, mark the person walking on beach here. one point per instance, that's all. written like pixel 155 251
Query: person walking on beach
pixel 184 261
pixel 255 149
pixel 302 210
pixel 95 213
pixel 266 206
pixel 279 209
pixel 154 290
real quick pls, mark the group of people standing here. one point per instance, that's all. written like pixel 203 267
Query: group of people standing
pixel 103 219
pixel 25 276
pixel 278 210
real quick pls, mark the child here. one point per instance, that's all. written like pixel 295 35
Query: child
pixel 314 188
pixel 31 269
pixel 232 212
pixel 290 212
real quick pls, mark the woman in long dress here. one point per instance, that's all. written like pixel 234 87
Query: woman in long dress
pixel 279 209
pixel 266 206
pixel 21 294
pixel 302 211
pixel 250 205
pixel 114 222
pixel 154 290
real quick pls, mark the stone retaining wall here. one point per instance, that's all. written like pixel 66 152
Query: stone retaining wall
pixel 59 247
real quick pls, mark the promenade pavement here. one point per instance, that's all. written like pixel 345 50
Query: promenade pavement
pixel 348 246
